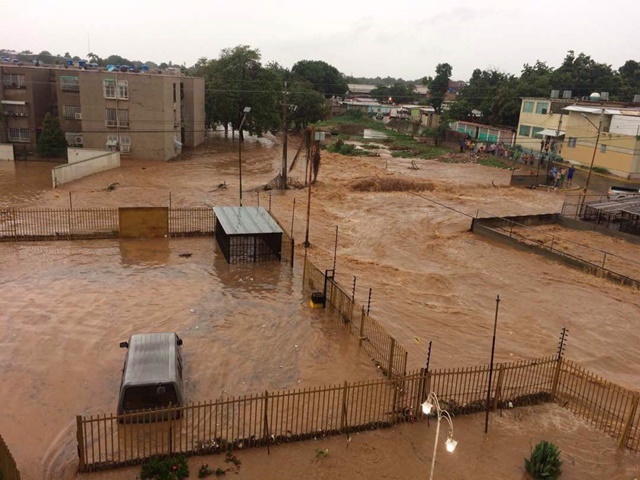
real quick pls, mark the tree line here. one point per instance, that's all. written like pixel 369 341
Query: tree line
pixel 238 79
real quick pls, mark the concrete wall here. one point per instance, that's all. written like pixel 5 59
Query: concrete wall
pixel 486 227
pixel 75 155
pixel 6 151
pixel 529 180
pixel 83 168
pixel 194 118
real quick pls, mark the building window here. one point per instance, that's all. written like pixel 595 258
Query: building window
pixel 542 108
pixel 125 144
pixel 13 110
pixel 13 80
pixel 174 93
pixel 19 135
pixel 535 131
pixel 123 118
pixel 71 112
pixel 525 131
pixel 70 84
pixel 123 90
pixel 74 139
pixel 110 117
pixel 527 107
pixel 603 149
pixel 109 88
pixel 571 142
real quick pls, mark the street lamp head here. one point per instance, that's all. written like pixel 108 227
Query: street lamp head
pixel 450 444
pixel 427 406
pixel 247 109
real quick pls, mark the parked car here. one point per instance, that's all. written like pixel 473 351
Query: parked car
pixel 622 192
pixel 152 374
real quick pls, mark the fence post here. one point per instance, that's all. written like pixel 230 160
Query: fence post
pixel 15 224
pixel 80 439
pixel 624 435
pixel 170 430
pixel 361 327
pixel 498 395
pixel 266 421
pixel 343 418
pixel 556 379
pixel 293 249
pixel 391 352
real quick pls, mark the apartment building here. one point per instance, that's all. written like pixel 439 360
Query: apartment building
pixel 606 135
pixel 142 114
pixel 584 130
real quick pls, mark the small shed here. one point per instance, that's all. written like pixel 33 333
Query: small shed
pixel 247 234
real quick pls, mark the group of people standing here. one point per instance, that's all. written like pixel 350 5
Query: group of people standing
pixel 562 177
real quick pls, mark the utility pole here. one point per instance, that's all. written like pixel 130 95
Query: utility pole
pixel 285 108
pixel 310 152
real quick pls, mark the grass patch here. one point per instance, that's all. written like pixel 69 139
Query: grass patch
pixel 350 127
pixel 601 170
pixel 346 149
pixel 376 184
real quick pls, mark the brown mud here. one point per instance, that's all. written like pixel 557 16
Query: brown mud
pixel 66 305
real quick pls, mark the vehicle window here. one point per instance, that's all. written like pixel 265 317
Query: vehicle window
pixel 136 398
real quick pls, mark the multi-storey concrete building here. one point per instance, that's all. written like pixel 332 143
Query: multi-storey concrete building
pixel 584 131
pixel 146 115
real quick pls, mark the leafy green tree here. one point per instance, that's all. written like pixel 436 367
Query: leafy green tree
pixel 51 142
pixel 116 60
pixel 325 78
pixel 629 79
pixel 310 105
pixel 46 57
pixel 399 92
pixel 237 80
pixel 583 75
pixel 93 58
pixel 438 86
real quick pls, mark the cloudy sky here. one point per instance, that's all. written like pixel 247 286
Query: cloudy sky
pixel 400 38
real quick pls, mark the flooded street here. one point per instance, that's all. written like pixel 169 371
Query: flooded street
pixel 65 306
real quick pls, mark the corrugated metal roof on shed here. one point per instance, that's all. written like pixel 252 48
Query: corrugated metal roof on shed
pixel 246 220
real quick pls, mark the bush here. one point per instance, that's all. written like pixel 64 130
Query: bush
pixel 165 468
pixel 344 148
pixel 544 463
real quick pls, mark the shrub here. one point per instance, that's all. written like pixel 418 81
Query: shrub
pixel 165 468
pixel 544 463
pixel 344 148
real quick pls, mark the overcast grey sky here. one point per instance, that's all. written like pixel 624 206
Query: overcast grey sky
pixel 400 38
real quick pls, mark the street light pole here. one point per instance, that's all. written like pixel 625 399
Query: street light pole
pixel 595 149
pixel 493 350
pixel 428 405
pixel 244 116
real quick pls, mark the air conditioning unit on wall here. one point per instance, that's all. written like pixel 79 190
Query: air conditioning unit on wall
pixel 78 140
pixel 78 116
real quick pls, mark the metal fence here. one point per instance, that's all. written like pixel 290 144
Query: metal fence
pixel 57 223
pixel 607 406
pixel 271 418
pixel 386 352
pixel 191 221
pixel 86 223
pixel 621 268
pixel 8 468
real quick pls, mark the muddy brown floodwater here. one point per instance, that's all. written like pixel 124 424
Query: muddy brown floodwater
pixel 66 305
